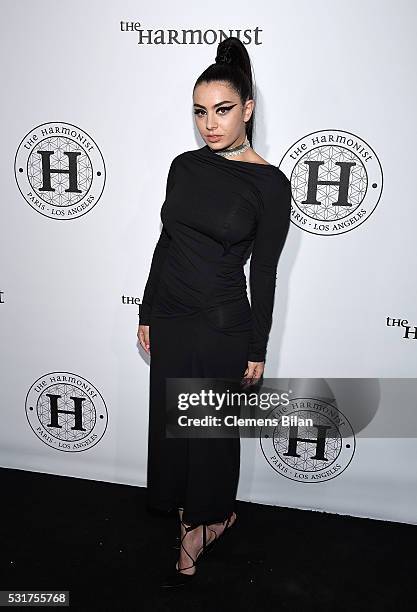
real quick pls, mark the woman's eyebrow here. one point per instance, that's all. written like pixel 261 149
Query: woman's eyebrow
pixel 214 105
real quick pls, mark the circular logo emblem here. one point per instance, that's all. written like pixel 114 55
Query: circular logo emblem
pixel 66 411
pixel 60 170
pixel 315 445
pixel 336 181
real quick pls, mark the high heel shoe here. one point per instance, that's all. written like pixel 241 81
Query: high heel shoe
pixel 177 544
pixel 226 530
pixel 177 577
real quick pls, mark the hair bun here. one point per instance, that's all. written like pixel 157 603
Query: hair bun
pixel 224 57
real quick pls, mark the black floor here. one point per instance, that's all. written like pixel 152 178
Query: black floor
pixel 98 541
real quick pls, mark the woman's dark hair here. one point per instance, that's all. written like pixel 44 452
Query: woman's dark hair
pixel 233 65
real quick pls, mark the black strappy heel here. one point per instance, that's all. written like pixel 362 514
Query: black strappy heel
pixel 225 531
pixel 177 578
pixel 177 544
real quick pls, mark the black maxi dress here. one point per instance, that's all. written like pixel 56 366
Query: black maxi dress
pixel 201 321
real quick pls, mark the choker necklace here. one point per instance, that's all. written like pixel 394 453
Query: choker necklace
pixel 235 150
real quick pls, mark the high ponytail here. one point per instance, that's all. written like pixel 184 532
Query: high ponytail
pixel 233 65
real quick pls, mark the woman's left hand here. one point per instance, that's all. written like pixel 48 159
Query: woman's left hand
pixel 253 372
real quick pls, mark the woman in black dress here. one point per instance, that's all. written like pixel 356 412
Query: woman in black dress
pixel 195 318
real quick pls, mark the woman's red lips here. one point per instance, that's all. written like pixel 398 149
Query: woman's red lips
pixel 213 138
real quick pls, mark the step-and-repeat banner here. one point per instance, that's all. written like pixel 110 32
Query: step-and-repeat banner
pixel 97 101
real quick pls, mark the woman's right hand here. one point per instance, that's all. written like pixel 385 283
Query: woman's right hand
pixel 143 335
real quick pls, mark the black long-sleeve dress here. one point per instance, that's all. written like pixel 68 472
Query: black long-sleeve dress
pixel 201 321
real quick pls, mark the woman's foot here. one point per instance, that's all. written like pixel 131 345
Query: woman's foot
pixel 192 546
pixel 220 527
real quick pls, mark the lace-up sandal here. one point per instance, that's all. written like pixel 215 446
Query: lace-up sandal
pixel 177 577
pixel 177 544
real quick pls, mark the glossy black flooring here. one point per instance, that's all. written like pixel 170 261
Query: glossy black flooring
pixel 99 541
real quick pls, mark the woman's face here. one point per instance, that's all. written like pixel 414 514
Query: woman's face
pixel 219 114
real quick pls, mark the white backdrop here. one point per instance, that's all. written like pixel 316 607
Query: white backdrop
pixel 113 108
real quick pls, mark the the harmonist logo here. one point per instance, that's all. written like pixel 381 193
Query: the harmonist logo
pixel 403 326
pixel 146 35
pixel 66 411
pixel 60 170
pixel 336 181
pixel 313 441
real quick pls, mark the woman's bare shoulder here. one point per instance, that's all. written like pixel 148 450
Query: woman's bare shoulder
pixel 252 156
pixel 260 160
